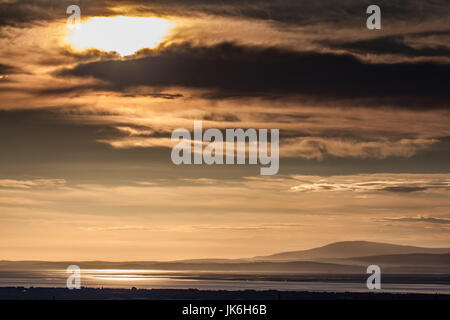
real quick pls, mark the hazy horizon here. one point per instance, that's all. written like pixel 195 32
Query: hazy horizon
pixel 335 247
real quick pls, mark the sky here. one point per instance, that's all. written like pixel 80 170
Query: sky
pixel 86 116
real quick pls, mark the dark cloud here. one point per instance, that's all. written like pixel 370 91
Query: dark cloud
pixel 7 69
pixel 228 70
pixel 162 95
pixel 297 12
pixel 405 189
pixel 416 187
pixel 334 12
pixel 397 45
pixel 14 13
pixel 21 13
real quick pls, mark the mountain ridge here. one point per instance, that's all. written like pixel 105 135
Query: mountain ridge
pixel 349 249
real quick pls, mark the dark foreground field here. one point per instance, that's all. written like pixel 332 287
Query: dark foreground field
pixel 20 293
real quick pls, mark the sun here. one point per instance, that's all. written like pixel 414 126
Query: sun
pixel 124 35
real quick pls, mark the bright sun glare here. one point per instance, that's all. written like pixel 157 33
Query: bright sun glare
pixel 125 35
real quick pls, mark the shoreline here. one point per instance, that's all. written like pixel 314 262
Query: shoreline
pixel 42 293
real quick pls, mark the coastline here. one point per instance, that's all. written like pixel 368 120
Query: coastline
pixel 40 293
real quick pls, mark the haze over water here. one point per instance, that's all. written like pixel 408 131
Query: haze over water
pixel 162 279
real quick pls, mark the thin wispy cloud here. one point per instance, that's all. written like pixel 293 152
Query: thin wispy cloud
pixel 425 219
pixel 366 184
pixel 29 184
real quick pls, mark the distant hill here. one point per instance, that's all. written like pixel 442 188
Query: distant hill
pixel 349 249
pixel 339 258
